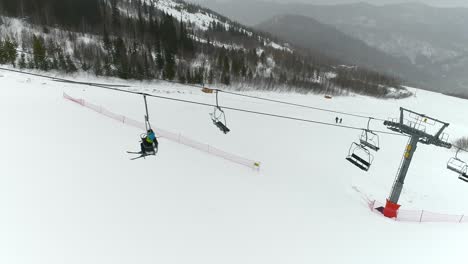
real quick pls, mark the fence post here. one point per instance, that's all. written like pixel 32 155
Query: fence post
pixel 420 219
pixel 461 219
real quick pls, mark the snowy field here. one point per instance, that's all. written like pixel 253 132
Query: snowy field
pixel 70 194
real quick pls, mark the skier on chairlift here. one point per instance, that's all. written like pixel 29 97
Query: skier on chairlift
pixel 149 143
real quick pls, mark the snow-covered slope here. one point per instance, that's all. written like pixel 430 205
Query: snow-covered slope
pixel 178 10
pixel 202 18
pixel 69 194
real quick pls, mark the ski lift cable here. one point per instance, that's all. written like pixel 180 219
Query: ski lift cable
pixel 459 148
pixel 206 104
pixel 217 91
pixel 250 111
pixel 253 97
pixel 267 114
pixel 303 106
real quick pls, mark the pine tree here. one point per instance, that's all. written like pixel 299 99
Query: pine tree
pixel 120 59
pixel 189 76
pixel 211 77
pixel 169 66
pixel 97 67
pixel 39 53
pixel 182 76
pixel 22 61
pixel 169 35
pixel 115 16
pixel 62 64
pixel 159 58
pixel 70 64
pixel 226 76
pixel 3 56
pixel 106 40
pixel 30 63
pixel 11 52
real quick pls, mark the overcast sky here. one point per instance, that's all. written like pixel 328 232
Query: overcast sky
pixel 441 3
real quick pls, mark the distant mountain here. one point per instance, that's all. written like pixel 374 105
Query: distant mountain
pixel 435 40
pixel 308 33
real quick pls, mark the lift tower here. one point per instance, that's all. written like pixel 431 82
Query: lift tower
pixel 420 128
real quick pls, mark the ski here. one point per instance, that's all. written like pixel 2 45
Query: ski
pixel 142 156
pixel 134 152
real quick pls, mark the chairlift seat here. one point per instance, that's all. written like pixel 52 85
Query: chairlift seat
pixel 362 166
pixel 455 169
pixel 222 127
pixel 218 120
pixel 369 145
pixel 356 154
pixel 370 139
pixel 359 162
pixel 457 165
pixel 367 164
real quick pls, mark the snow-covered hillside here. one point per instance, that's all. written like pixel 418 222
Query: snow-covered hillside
pixel 201 19
pixel 70 194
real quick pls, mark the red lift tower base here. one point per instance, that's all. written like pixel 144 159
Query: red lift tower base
pixel 391 209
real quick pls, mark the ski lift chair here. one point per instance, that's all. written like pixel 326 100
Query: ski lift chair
pixel 359 156
pixel 457 165
pixel 370 140
pixel 219 119
pixel 464 176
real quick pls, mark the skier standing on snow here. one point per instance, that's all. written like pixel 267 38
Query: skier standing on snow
pixel 336 120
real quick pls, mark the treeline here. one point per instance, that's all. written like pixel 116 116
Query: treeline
pixel 135 40
pixel 365 81
pixel 69 13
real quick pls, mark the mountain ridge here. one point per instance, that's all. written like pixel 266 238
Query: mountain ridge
pixel 422 35
pixel 311 34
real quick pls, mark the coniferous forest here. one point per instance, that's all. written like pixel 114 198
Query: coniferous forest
pixel 136 40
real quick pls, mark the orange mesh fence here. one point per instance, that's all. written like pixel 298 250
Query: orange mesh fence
pixel 420 216
pixel 178 138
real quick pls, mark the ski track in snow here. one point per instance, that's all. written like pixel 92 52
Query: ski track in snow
pixel 69 194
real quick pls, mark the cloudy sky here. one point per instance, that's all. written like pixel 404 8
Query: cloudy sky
pixel 441 3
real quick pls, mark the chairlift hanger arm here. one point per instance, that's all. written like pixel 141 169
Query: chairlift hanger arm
pixel 146 107
pixel 147 122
